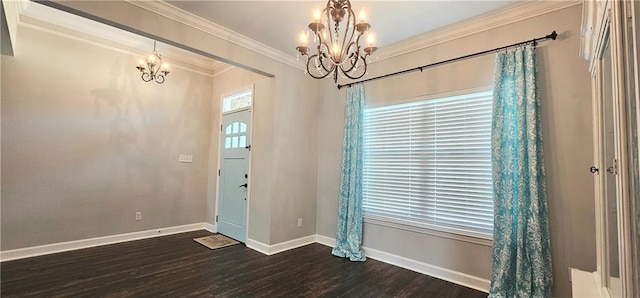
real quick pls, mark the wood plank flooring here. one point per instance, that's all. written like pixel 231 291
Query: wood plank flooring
pixel 177 266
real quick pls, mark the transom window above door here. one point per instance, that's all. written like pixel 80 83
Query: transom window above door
pixel 237 101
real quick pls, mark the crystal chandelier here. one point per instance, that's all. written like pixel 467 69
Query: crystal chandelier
pixel 152 68
pixel 339 46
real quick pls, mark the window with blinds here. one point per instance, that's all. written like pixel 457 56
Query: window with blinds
pixel 428 164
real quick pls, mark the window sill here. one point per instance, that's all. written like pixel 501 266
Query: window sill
pixel 407 226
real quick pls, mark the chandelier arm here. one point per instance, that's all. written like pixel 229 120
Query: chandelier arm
pixel 351 26
pixel 321 42
pixel 364 71
pixel 160 79
pixel 349 58
pixel 309 70
pixel 326 12
pixel 331 66
pixel 332 42
pixel 152 72
pixel 146 77
pixel 338 7
pixel 322 57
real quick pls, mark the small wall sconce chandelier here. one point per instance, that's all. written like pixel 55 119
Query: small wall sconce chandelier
pixel 152 68
pixel 339 47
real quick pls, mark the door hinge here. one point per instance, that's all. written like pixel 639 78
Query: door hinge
pixel 220 127
pixel 218 172
pixel 614 168
pixel 216 218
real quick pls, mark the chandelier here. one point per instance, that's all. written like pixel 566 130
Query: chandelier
pixel 339 46
pixel 152 68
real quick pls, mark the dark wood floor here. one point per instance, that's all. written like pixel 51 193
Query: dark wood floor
pixel 177 266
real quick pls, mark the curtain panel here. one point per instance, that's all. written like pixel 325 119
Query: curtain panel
pixel 349 229
pixel 521 262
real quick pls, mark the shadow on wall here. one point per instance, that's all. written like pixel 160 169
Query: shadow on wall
pixel 148 126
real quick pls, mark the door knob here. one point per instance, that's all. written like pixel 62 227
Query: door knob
pixel 611 170
pixel 593 169
pixel 243 185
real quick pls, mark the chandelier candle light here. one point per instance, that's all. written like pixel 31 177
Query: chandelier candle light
pixel 339 48
pixel 153 68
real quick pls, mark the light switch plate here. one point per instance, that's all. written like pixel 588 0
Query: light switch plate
pixel 185 158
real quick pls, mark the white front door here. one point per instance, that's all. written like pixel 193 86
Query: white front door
pixel 234 171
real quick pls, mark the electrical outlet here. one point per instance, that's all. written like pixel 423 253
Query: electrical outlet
pixel 185 158
pixel 299 222
pixel 139 215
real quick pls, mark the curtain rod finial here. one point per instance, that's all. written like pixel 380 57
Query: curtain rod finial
pixel 553 35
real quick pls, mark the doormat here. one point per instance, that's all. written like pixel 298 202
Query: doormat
pixel 216 241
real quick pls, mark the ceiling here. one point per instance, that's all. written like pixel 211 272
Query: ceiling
pixel 278 23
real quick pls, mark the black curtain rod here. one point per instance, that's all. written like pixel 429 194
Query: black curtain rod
pixel 534 41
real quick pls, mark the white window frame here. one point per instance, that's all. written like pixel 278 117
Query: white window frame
pixel 236 94
pixel 417 227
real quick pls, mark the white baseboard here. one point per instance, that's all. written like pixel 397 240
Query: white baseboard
pixel 33 251
pixel 280 247
pixel 211 228
pixel 456 277
pixel 295 243
pixel 258 246
pixel 324 240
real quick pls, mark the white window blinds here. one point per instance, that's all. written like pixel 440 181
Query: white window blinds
pixel 428 164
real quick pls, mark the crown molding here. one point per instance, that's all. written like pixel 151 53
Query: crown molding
pixel 10 11
pixel 471 26
pixel 169 11
pixel 222 68
pixel 44 18
pixel 592 31
pixel 502 17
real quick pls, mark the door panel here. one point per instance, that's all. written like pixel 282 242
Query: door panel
pixel 611 171
pixel 234 168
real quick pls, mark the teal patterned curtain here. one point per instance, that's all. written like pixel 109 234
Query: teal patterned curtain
pixel 349 234
pixel 521 249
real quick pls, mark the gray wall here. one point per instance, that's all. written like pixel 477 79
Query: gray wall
pixel 295 156
pixel 87 143
pixel 83 149
pixel 284 179
pixel 567 133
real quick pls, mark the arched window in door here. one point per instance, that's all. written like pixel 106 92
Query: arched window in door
pixel 235 135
